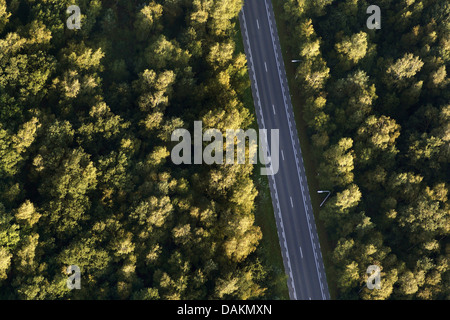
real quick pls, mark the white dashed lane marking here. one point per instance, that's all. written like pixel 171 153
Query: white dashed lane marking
pixel 271 178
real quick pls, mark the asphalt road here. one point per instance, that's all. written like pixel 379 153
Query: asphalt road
pixel 296 227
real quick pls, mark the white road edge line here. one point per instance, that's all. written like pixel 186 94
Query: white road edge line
pixel 270 177
pixel 292 139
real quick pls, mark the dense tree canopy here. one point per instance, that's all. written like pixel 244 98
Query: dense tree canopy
pixel 85 173
pixel 376 103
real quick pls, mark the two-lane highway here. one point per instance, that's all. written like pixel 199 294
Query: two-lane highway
pixel 289 188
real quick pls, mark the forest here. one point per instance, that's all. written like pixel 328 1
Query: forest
pixel 376 103
pixel 86 117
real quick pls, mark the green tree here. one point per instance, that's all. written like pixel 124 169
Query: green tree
pixel 338 165
pixel 4 15
pixel 352 49
pixel 148 20
pixel 403 68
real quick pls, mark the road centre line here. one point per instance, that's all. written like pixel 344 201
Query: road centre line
pixel 270 177
pixel 292 139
